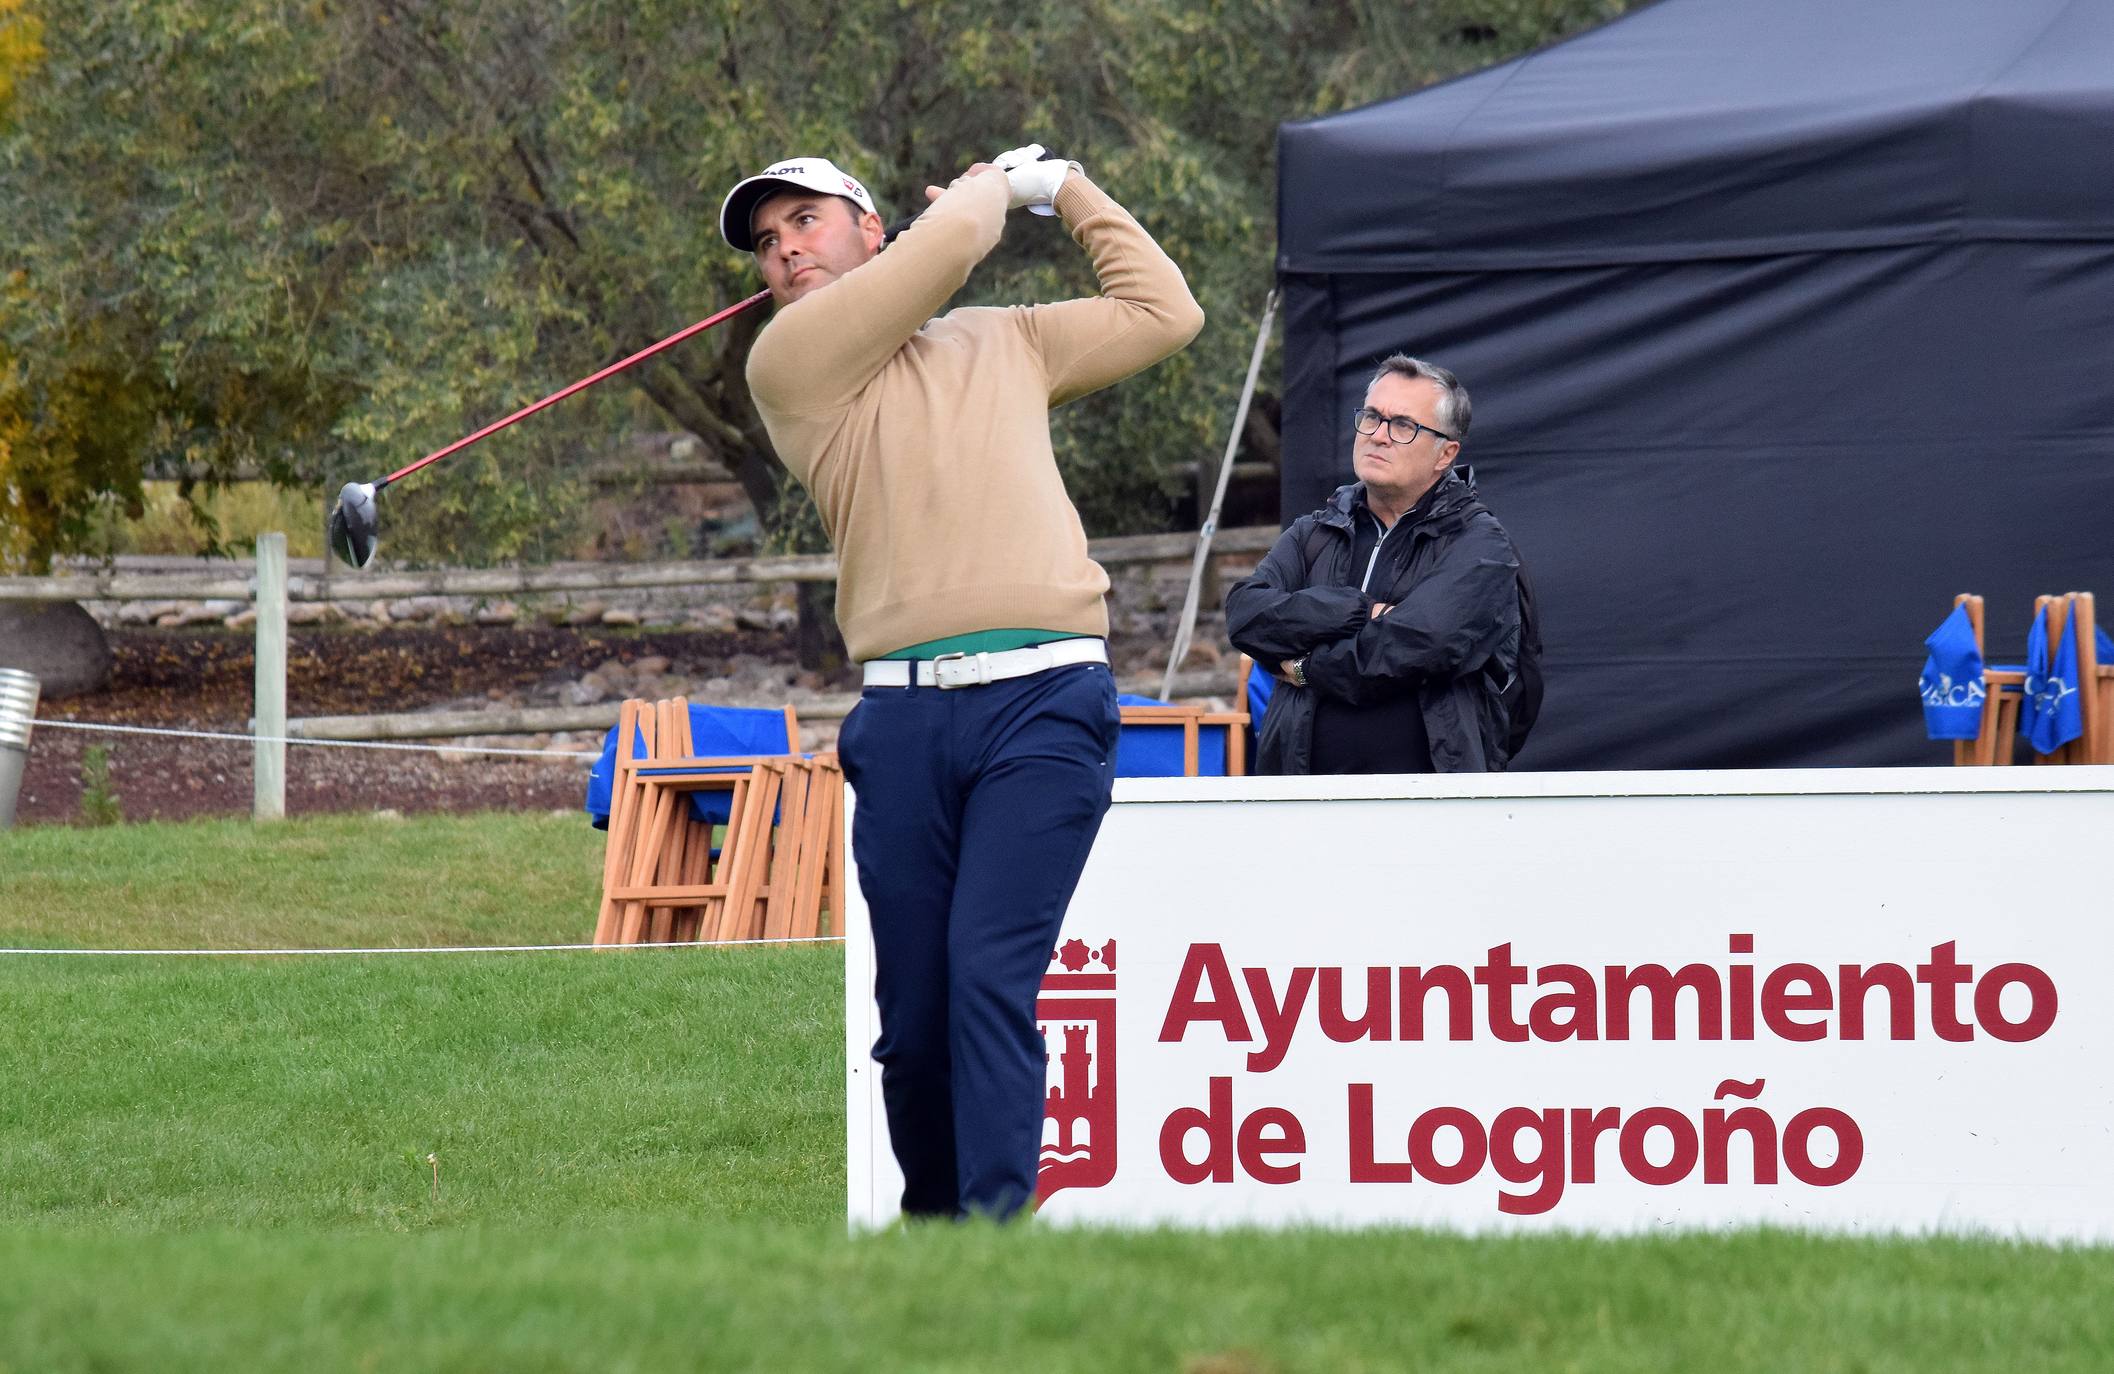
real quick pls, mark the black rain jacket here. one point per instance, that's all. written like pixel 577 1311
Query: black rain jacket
pixel 1452 637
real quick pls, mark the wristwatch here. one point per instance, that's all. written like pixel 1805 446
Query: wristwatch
pixel 1299 671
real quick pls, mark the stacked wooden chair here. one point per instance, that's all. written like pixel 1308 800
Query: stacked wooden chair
pixel 768 872
pixel 1996 741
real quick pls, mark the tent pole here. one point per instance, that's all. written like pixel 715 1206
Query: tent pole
pixel 1218 499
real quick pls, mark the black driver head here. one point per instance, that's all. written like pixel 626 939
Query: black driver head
pixel 354 529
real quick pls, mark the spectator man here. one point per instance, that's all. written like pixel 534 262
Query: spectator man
pixel 982 749
pixel 1391 615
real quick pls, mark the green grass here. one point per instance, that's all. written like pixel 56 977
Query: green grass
pixel 338 881
pixel 221 1163
pixel 763 1296
pixel 555 1090
pixel 760 1297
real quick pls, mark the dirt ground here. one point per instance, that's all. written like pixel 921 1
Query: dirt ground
pixel 202 679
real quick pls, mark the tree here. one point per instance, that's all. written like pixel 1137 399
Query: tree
pixel 323 236
pixel 20 48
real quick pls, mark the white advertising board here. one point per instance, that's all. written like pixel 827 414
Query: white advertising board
pixel 1855 1000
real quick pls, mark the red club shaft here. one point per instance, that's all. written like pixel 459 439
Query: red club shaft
pixel 585 382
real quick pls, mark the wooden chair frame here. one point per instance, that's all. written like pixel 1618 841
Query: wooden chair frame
pixel 659 878
pixel 1192 720
pixel 1996 741
pixel 780 858
pixel 807 849
pixel 2095 681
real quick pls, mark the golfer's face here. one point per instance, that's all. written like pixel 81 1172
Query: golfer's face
pixel 1378 460
pixel 805 240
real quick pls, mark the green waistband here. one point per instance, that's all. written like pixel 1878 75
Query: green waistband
pixel 982 642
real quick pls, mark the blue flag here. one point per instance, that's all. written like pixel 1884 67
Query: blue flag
pixel 2052 714
pixel 1952 680
pixel 2106 645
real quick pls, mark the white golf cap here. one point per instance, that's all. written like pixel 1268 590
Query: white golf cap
pixel 802 173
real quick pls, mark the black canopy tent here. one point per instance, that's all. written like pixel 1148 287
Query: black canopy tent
pixel 1784 322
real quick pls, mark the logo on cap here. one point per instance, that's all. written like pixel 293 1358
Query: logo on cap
pixel 810 173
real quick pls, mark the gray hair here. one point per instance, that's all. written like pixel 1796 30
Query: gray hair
pixel 1454 408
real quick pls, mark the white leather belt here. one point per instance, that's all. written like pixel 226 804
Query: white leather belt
pixel 975 670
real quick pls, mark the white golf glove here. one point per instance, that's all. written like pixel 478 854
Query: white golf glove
pixel 1032 178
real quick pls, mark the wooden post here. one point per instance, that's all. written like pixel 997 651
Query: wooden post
pixel 270 720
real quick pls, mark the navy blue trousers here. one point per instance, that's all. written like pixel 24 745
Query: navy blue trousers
pixel 976 809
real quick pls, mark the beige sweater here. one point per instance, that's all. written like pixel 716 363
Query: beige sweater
pixel 926 442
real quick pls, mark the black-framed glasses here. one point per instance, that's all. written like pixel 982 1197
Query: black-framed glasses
pixel 1400 428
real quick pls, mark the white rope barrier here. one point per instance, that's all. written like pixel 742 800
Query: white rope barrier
pixel 577 755
pixel 448 949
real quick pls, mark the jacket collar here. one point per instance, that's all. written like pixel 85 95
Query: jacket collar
pixel 1446 507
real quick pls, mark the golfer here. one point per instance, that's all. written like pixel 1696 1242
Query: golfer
pixel 983 745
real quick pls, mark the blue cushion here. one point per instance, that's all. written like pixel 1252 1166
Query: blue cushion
pixel 715 732
pixel 1155 751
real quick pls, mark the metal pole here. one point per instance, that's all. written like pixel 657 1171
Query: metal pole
pixel 270 721
pixel 1218 499
pixel 18 711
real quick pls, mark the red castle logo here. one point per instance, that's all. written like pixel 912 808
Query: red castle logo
pixel 1078 1008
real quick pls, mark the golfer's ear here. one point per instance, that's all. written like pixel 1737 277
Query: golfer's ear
pixel 1449 453
pixel 871 228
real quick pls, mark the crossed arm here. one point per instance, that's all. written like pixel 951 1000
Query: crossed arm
pixel 1358 650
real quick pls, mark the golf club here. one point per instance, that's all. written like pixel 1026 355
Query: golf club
pixel 354 523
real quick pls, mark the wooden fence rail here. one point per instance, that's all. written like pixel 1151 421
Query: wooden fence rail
pixel 537 720
pixel 239 582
